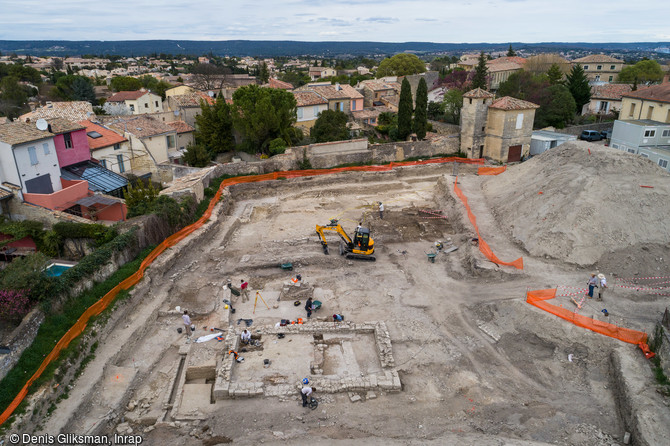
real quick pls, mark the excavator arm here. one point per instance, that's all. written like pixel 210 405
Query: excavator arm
pixel 332 226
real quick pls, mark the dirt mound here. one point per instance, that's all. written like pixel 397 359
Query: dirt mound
pixel 579 201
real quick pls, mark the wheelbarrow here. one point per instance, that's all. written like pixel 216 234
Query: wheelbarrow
pixel 287 266
pixel 431 256
pixel 316 305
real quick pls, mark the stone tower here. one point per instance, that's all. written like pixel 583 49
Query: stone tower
pixel 473 121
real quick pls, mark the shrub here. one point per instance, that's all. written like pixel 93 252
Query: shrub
pixel 277 146
pixel 14 304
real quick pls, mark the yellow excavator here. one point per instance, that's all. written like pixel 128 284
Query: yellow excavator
pixel 362 247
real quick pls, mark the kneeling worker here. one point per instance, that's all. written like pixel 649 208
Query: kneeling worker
pixel 245 336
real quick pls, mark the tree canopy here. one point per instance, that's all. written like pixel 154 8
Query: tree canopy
pixel 510 51
pixel 405 110
pixel 643 72
pixel 330 126
pixel 421 110
pixel 481 72
pixel 125 83
pixel 214 131
pixel 578 84
pixel 263 114
pixel 401 65
pixel 74 88
pixel 555 74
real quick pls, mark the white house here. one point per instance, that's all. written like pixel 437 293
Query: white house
pixel 28 158
pixel 137 102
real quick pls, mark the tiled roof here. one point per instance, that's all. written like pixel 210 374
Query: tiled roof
pixel 109 137
pixel 370 112
pixel 503 66
pixel 306 98
pixel 141 126
pixel 332 92
pixel 610 91
pixel 510 103
pixel 595 58
pixel 658 93
pixel 375 85
pixel 478 93
pixel 192 99
pixel 180 126
pixel 74 111
pixel 276 83
pixel 514 59
pixel 15 133
pixel 61 125
pixel 127 96
pixel 5 194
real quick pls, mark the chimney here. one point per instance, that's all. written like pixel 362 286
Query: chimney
pixel 337 86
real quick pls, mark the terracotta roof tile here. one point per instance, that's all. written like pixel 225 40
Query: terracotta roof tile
pixel 595 58
pixel 514 59
pixel 61 125
pixel 658 93
pixel 15 133
pixel 610 91
pixel 510 103
pixel 345 91
pixel 503 66
pixel 74 111
pixel 306 98
pixel 141 126
pixel 108 137
pixel 127 95
pixel 478 93
pixel 276 83
pixel 193 99
pixel 180 126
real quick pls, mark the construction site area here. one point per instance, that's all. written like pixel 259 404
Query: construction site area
pixel 438 344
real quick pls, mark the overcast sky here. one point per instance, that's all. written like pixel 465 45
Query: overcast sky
pixel 318 20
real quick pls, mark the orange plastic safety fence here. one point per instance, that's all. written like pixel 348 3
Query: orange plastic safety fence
pixel 483 246
pixel 491 170
pixel 175 238
pixel 539 299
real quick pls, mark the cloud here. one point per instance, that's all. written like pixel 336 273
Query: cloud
pixel 381 20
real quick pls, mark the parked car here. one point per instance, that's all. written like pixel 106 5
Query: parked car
pixel 606 134
pixel 590 135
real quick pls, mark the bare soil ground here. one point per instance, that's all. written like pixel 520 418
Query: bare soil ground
pixel 478 365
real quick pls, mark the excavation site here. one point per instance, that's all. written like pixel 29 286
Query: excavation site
pixel 416 335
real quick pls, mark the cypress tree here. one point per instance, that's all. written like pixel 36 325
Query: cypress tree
pixel 405 110
pixel 510 51
pixel 479 80
pixel 579 87
pixel 421 110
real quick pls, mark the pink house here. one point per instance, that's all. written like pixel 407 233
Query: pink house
pixel 70 140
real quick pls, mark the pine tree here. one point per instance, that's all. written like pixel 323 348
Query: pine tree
pixel 405 111
pixel 579 87
pixel 264 73
pixel 421 110
pixel 555 74
pixel 510 51
pixel 481 72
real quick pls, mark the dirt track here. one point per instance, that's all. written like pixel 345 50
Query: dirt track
pixel 477 364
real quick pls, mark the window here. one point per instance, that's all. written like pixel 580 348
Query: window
pixel 117 146
pixel 650 112
pixel 299 113
pixel 586 67
pixel 45 146
pixel 519 121
pixel 94 135
pixel 632 110
pixel 644 155
pixel 612 67
pixel 611 79
pixel 146 105
pixel 32 153
pixel 597 77
pixel 316 110
pixel 119 161
pixel 67 137
pixel 631 150
pixel 132 107
pixel 615 146
pixel 666 133
pixel 663 163
pixel 156 104
pixel 170 141
pixel 599 67
pixel 649 133
pixel 103 163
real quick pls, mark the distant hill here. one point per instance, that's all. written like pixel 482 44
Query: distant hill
pixel 291 48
